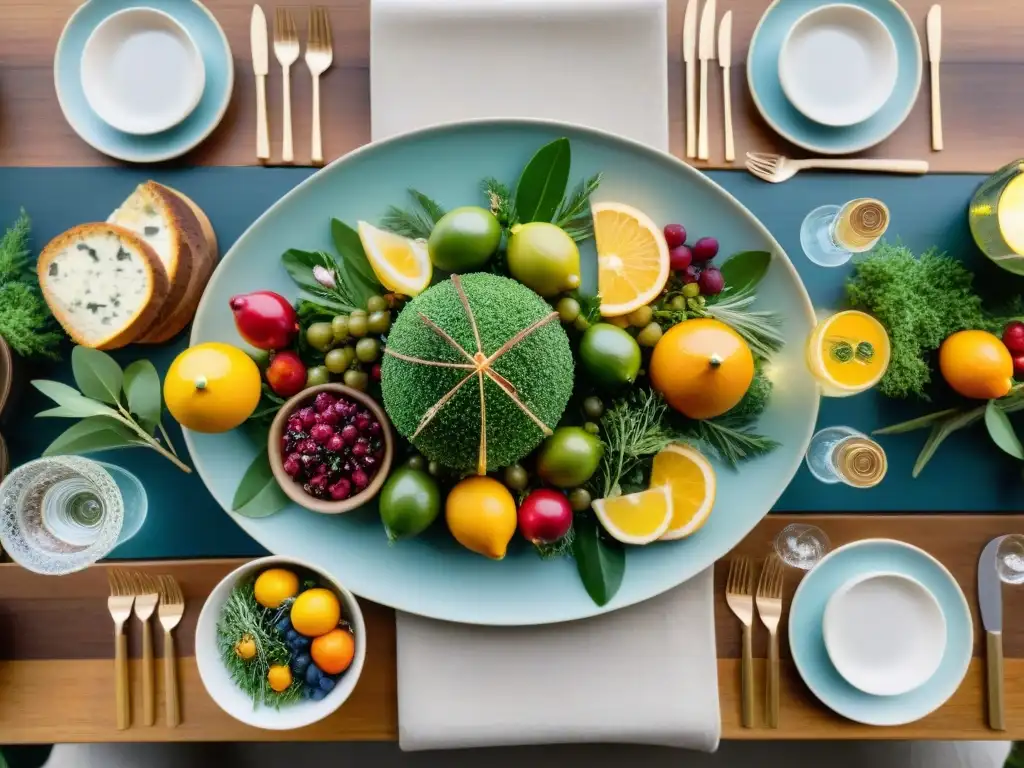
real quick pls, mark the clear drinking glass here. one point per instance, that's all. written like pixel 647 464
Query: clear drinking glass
pixel 61 514
pixel 831 234
pixel 844 455
pixel 1010 559
pixel 801 546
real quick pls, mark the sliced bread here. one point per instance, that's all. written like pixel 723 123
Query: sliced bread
pixel 103 283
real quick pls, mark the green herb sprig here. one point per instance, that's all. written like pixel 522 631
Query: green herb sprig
pixel 415 222
pixel 25 320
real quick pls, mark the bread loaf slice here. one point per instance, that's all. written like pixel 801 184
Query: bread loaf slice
pixel 103 283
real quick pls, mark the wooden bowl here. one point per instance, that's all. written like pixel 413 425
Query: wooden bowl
pixel 292 489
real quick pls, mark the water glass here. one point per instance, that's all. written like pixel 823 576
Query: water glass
pixel 844 455
pixel 831 234
pixel 801 546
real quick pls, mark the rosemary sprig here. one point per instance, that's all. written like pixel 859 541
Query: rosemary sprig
pixel 759 328
pixel 732 443
pixel 574 213
pixel 415 222
pixel 499 200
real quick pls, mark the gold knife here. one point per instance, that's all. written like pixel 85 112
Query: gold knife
pixel 706 52
pixel 934 56
pixel 725 59
pixel 260 66
pixel 689 55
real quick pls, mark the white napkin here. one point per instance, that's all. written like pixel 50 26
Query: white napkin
pixel 645 674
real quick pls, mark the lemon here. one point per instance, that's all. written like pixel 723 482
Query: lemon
pixel 481 515
pixel 274 586
pixel 637 518
pixel 692 480
pixel 544 258
pixel 212 387
pixel 402 265
pixel 976 364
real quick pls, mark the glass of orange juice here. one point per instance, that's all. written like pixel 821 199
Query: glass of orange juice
pixel 848 352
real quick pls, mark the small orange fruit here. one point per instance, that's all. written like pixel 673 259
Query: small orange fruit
pixel 212 387
pixel 315 612
pixel 702 368
pixel 279 677
pixel 246 648
pixel 481 514
pixel 274 586
pixel 333 652
pixel 976 364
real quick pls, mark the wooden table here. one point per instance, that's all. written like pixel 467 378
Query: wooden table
pixel 55 670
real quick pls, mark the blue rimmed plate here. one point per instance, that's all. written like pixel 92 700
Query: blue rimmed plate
pixel 787 121
pixel 807 643
pixel 176 141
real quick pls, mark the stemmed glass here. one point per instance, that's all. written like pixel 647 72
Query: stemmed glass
pixel 801 546
pixel 831 234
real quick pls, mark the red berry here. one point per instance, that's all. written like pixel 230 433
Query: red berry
pixel 705 249
pixel 375 372
pixel 1013 337
pixel 362 421
pixel 292 467
pixel 286 374
pixel 321 433
pixel 323 402
pixel 711 282
pixel 294 424
pixel 335 443
pixel 318 481
pixel 308 447
pixel 330 416
pixel 349 433
pixel 361 448
pixel 690 275
pixel 675 235
pixel 1018 367
pixel 341 489
pixel 359 479
pixel 679 258
pixel 308 416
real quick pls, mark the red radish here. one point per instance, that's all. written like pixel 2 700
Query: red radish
pixel 265 319
pixel 1013 337
pixel 545 516
pixel 286 375
pixel 1018 367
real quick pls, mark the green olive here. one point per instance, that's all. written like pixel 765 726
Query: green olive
pixel 641 316
pixel 339 325
pixel 317 375
pixel 580 324
pixel 358 313
pixel 338 360
pixel 367 350
pixel 416 462
pixel 678 303
pixel 579 499
pixel 568 309
pixel 691 290
pixel 379 323
pixel 516 477
pixel 357 325
pixel 591 427
pixel 649 336
pixel 356 379
pixel 593 407
pixel 320 336
pixel 433 469
pixel 376 304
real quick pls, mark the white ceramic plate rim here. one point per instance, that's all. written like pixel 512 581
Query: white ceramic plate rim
pixel 146 158
pixel 805 306
pixel 285 719
pixel 829 635
pixel 963 604
pixel 856 147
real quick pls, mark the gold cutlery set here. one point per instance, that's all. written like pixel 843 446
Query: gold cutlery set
pixel 701 47
pixel 741 597
pixel 287 48
pixel 146 594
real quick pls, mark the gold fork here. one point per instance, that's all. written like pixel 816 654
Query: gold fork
pixel 769 608
pixel 172 606
pixel 286 49
pixel 319 56
pixel 739 594
pixel 776 168
pixel 146 596
pixel 120 606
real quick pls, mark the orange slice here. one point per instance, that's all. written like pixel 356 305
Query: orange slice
pixel 402 265
pixel 637 518
pixel 632 258
pixel 692 480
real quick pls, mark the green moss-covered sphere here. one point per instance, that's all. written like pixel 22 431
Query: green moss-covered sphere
pixel 540 367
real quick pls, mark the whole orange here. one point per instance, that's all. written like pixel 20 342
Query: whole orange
pixel 702 368
pixel 212 387
pixel 333 652
pixel 315 612
pixel 976 364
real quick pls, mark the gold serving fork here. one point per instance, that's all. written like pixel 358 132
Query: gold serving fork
pixel 769 608
pixel 172 606
pixel 286 49
pixel 120 606
pixel 776 168
pixel 319 56
pixel 739 594
pixel 146 597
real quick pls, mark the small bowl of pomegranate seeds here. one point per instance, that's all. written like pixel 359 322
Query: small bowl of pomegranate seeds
pixel 330 448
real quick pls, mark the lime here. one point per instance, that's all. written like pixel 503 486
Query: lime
pixel 610 355
pixel 569 457
pixel 543 257
pixel 409 502
pixel 464 239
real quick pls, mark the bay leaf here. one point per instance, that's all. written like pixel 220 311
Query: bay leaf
pixel 601 563
pixel 256 476
pixel 142 388
pixel 270 500
pixel 73 404
pixel 1001 430
pixel 97 374
pixel 744 270
pixel 96 433
pixel 350 249
pixel 543 182
pixel 299 266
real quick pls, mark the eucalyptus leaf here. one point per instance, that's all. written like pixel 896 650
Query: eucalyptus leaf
pixel 601 563
pixel 940 432
pixel 97 374
pixel 920 422
pixel 73 404
pixel 746 269
pixel 543 182
pixel 1001 430
pixel 142 388
pixel 96 433
pixel 269 500
pixel 253 481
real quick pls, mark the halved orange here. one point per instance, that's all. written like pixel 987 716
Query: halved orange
pixel 632 258
pixel 637 518
pixel 402 265
pixel 692 480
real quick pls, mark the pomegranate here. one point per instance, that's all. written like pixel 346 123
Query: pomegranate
pixel 286 375
pixel 545 516
pixel 265 319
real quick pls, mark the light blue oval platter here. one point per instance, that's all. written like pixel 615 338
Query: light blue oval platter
pixel 790 123
pixel 432 575
pixel 807 643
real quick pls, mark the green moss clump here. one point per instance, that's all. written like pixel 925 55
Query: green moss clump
pixel 540 367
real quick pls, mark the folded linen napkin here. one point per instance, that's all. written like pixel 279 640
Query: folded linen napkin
pixel 645 674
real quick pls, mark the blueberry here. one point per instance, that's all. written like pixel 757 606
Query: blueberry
pixel 307 693
pixel 327 684
pixel 300 663
pixel 302 642
pixel 319 694
pixel 291 636
pixel 313 674
pixel 284 625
